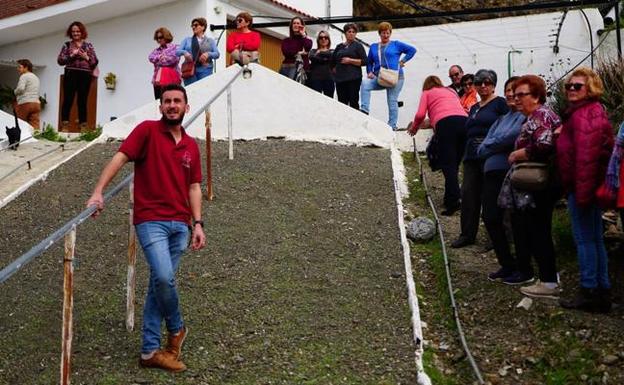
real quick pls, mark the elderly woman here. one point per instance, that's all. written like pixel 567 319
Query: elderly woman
pixel 27 95
pixel 495 150
pixel 320 77
pixel 480 118
pixel 391 55
pixel 165 61
pixel 448 118
pixel 531 211
pixel 297 44
pixel 199 49
pixel 349 57
pixel 469 98
pixel 78 57
pixel 583 151
pixel 243 44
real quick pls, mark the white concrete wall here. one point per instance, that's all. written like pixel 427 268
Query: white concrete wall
pixel 485 44
pixel 268 104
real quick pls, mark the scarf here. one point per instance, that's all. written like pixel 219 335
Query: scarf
pixel 195 48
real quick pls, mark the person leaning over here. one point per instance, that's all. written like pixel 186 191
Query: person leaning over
pixel 167 198
pixel 349 57
pixel 27 94
pixel 243 44
pixel 388 54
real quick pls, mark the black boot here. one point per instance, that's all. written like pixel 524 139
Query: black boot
pixel 603 300
pixel 585 299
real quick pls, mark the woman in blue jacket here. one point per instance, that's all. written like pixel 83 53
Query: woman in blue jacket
pixel 199 48
pixel 391 54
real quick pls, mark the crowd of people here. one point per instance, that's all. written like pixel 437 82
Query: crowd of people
pixel 519 158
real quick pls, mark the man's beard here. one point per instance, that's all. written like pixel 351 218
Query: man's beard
pixel 173 122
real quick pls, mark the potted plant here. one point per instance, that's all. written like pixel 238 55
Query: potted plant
pixel 110 80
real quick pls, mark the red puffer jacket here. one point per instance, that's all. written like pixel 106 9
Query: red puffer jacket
pixel 583 150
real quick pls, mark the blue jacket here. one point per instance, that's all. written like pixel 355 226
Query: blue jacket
pixel 500 140
pixel 208 45
pixel 391 56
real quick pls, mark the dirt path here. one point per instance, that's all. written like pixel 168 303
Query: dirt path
pixel 301 282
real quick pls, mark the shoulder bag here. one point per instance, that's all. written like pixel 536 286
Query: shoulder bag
pixel 387 77
pixel 529 176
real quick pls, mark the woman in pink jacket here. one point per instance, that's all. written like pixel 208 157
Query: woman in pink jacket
pixel 447 117
pixel 583 151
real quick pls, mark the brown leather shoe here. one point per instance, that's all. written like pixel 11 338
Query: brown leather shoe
pixel 163 360
pixel 174 345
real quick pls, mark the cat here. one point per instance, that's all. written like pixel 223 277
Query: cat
pixel 14 134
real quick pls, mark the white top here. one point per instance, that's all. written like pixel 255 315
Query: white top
pixel 27 90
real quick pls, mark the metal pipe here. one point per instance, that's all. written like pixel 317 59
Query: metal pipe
pixel 618 38
pixel 591 37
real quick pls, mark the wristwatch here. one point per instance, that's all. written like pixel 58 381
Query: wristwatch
pixel 198 221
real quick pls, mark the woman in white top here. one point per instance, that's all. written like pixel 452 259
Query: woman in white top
pixel 27 95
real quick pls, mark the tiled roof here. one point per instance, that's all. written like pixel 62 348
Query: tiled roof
pixel 10 8
pixel 293 9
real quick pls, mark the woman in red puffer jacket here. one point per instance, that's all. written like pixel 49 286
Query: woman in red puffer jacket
pixel 583 150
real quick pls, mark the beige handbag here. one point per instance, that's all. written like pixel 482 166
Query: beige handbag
pixel 387 77
pixel 529 176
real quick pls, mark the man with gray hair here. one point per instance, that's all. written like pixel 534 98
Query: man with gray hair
pixel 455 74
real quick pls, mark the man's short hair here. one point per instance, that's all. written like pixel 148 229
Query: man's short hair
pixel 458 67
pixel 173 87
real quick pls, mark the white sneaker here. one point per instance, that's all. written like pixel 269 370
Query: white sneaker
pixel 540 290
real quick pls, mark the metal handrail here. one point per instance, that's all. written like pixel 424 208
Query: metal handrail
pixel 28 162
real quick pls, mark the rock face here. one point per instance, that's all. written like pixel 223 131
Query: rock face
pixel 421 229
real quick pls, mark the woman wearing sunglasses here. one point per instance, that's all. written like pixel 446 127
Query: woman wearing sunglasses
pixel 469 97
pixel 320 77
pixel 200 49
pixel 583 151
pixel 243 44
pixel 165 61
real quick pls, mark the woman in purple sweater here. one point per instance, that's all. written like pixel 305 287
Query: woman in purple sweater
pixel 165 61
pixel 297 44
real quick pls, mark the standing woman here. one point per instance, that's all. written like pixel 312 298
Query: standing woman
pixel 583 151
pixel 531 211
pixel 389 54
pixel 165 61
pixel 448 118
pixel 78 57
pixel 200 49
pixel 243 44
pixel 480 118
pixel 469 98
pixel 320 78
pixel 349 57
pixel 27 94
pixel 296 44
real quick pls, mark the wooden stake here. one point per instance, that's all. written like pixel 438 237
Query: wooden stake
pixel 68 305
pixel 132 251
pixel 208 124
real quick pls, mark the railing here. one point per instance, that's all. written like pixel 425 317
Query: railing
pixel 68 232
pixel 28 163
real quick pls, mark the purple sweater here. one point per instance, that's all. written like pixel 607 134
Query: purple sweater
pixel 164 57
pixel 292 45
pixel 76 62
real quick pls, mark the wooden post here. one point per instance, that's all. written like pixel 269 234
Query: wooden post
pixel 208 124
pixel 68 305
pixel 132 251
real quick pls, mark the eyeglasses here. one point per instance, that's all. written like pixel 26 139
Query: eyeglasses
pixel 576 86
pixel 456 74
pixel 240 20
pixel 483 83
pixel 194 25
pixel 519 95
pixel 159 37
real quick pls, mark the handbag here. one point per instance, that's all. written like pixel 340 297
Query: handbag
pixel 387 77
pixel 529 176
pixel 188 69
pixel 166 75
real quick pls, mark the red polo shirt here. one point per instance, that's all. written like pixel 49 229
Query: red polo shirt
pixel 163 172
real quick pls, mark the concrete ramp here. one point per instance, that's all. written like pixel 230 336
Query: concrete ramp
pixel 268 105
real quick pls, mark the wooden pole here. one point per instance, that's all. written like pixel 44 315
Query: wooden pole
pixel 132 251
pixel 208 124
pixel 68 305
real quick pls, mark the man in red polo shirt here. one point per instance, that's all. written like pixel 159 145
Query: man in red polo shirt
pixel 167 198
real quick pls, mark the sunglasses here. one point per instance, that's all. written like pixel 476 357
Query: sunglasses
pixel 483 83
pixel 575 86
pixel 467 84
pixel 324 37
pixel 454 75
pixel 519 95
pixel 240 20
pixel 159 37
pixel 194 25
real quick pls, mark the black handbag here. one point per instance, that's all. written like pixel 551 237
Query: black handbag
pixel 433 153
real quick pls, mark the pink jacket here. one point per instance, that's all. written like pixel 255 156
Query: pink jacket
pixel 583 150
pixel 438 103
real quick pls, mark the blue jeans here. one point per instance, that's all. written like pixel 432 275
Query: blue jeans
pixel 590 248
pixel 392 96
pixel 163 243
pixel 200 73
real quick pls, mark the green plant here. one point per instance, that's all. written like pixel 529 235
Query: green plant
pixel 7 97
pixel 610 71
pixel 89 135
pixel 49 133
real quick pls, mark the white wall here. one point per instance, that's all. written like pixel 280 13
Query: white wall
pixel 485 44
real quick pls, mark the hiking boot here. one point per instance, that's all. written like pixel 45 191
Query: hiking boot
pixel 518 278
pixel 163 360
pixel 174 345
pixel 586 299
pixel 540 290
pixel 461 242
pixel 500 274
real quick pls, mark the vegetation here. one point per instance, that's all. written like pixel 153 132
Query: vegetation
pixel 49 133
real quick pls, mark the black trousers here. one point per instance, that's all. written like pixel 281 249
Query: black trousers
pixel 493 217
pixel 471 198
pixel 451 141
pixel 532 233
pixel 349 92
pixel 324 86
pixel 75 82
